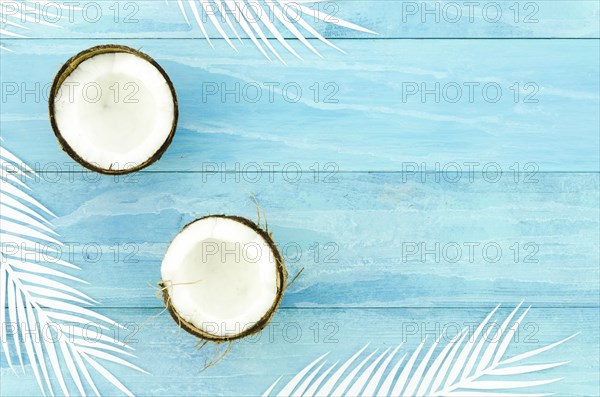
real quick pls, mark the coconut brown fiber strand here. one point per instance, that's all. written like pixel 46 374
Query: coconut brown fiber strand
pixel 69 67
pixel 281 273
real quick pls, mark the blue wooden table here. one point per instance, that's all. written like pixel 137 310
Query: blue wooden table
pixel 430 173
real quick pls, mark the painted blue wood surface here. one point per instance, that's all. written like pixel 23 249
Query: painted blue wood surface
pixel 369 233
pixel 389 18
pixel 369 290
pixel 297 336
pixel 372 123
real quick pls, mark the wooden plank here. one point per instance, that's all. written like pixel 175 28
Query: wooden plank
pixel 110 19
pixel 298 336
pixel 392 239
pixel 370 92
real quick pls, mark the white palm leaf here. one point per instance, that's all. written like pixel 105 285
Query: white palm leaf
pixel 259 18
pixel 469 365
pixel 50 327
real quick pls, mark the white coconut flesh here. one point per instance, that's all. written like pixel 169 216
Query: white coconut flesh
pixel 221 276
pixel 115 110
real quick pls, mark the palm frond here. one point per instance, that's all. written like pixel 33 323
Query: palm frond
pixel 468 365
pixel 258 19
pixel 51 330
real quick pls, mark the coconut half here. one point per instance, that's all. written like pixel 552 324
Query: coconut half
pixel 113 109
pixel 222 278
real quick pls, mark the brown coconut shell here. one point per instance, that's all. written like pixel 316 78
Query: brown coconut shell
pixel 69 67
pixel 266 318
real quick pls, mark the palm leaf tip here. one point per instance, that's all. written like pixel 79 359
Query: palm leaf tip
pixel 49 324
pixel 263 21
pixel 464 366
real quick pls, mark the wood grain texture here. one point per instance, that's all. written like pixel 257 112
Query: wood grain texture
pixel 298 336
pixel 444 243
pixel 112 19
pixel 356 221
pixel 372 122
